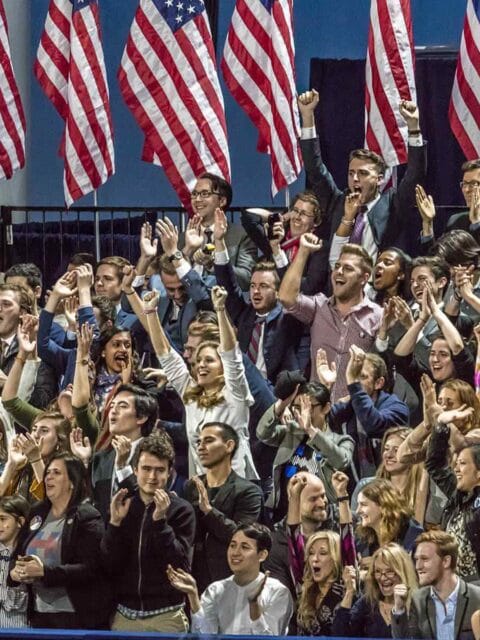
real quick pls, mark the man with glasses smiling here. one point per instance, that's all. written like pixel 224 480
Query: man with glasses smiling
pixel 209 193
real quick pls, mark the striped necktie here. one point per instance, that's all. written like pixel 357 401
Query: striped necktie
pixel 359 227
pixel 252 350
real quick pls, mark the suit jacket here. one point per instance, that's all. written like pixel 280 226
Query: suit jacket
pixel 421 622
pixel 282 332
pixel 388 217
pixel 102 470
pixel 238 501
pixel 241 251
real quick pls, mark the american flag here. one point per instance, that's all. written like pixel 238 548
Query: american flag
pixel 464 110
pixel 71 71
pixel 12 117
pixel 259 69
pixel 390 79
pixel 168 78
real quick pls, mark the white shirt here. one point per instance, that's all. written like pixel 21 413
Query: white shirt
pixel 225 609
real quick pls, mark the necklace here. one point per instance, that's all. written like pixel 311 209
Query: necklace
pixel 386 611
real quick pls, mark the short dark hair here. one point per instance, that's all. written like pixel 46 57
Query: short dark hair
pixel 470 165
pixel 146 405
pixel 316 390
pixel 165 265
pixel 258 532
pixel 107 309
pixel 219 184
pixel 204 317
pixel 270 267
pixel 15 505
pixel 457 247
pixel 437 266
pixel 475 451
pixel 27 270
pixel 78 259
pixel 378 365
pixel 158 444
pixel 226 432
pixel 369 156
pixel 77 474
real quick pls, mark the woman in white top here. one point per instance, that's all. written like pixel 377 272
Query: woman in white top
pixel 216 391
pixel 247 603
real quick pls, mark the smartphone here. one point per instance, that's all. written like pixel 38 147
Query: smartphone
pixel 272 219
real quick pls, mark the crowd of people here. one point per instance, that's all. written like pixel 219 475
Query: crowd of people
pixel 263 428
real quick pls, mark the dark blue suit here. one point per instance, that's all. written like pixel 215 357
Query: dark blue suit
pixel 281 334
pixel 388 217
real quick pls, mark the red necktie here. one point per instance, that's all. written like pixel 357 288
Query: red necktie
pixel 252 350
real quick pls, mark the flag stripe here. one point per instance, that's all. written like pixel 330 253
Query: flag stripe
pixel 71 70
pixel 12 116
pixel 169 81
pixel 258 67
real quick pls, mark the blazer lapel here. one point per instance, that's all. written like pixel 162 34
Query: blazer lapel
pixel 431 616
pixel 462 604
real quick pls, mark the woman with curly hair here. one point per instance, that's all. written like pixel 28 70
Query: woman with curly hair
pixel 216 390
pixel 322 585
pixel 370 615
pixel 384 517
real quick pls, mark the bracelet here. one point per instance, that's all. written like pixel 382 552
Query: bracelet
pixel 415 132
pixel 343 498
pixel 20 360
pixel 129 293
pixel 36 460
pixel 348 223
pixel 147 311
pixel 82 361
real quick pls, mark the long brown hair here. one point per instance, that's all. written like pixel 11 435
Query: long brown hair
pixel 394 512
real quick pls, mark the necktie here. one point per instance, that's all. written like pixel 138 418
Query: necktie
pixel 209 236
pixel 357 233
pixel 252 350
pixel 3 350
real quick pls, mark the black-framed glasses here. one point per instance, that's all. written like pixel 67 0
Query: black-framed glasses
pixel 203 195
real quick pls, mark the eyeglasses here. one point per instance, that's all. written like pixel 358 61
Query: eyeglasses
pixel 473 184
pixel 388 574
pixel 302 214
pixel 203 195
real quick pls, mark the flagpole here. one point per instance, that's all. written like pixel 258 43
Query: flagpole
pixel 287 197
pixel 97 226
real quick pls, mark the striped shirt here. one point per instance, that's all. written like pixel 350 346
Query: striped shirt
pixel 13 600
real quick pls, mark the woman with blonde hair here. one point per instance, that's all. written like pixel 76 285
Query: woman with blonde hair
pixel 216 390
pixel 384 517
pixel 322 585
pixel 371 615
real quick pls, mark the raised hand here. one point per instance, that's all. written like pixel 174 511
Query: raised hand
pixel 15 454
pixel 219 296
pixel 403 312
pixel 355 364
pixel 181 580
pixel 168 236
pixel 352 204
pixel 253 597
pixel 193 235
pixel 400 596
pixel 203 499
pixel 71 309
pixel 84 340
pixel 30 447
pixel 220 225
pixel 431 408
pixel 425 310
pixel 129 275
pixel 349 577
pixel 122 446
pixel 295 487
pixel 148 244
pixel 455 415
pixel 26 345
pixel 158 375
pixel 340 484
pixel 474 212
pixel 409 112
pixel 327 374
pixel 162 502
pixel 84 276
pixel 425 205
pixel 80 446
pixel 150 301
pixel 307 103
pixel 303 415
pixel 66 285
pixel 119 507
pixel 310 242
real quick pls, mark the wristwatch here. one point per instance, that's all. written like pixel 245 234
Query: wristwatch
pixel 178 255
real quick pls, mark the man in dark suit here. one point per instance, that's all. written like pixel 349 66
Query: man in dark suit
pixel 222 500
pixel 133 414
pixel 267 335
pixel 212 192
pixel 443 605
pixel 376 219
